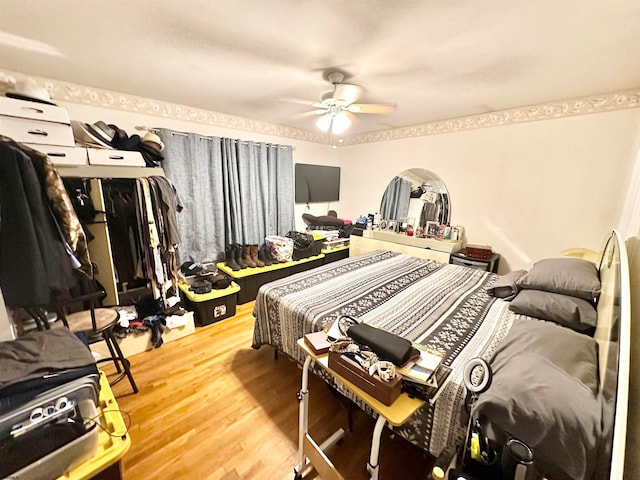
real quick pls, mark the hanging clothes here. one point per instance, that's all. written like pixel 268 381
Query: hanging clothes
pixel 35 263
pixel 122 219
pixel 60 204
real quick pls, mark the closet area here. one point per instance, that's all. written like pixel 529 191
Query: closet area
pixel 124 220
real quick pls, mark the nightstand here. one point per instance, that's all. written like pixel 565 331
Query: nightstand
pixel 487 264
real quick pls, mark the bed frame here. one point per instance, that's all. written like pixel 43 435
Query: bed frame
pixel 613 334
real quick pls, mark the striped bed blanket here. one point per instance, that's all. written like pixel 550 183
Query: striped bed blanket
pixel 445 307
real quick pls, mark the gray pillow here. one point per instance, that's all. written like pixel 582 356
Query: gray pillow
pixel 543 392
pixel 568 276
pixel 571 312
pixel 557 416
pixel 574 353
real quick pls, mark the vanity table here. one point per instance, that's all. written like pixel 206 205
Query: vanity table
pixel 429 248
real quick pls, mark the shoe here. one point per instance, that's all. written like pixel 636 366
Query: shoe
pixel 253 250
pixel 238 252
pixel 263 254
pixel 230 258
pixel 246 256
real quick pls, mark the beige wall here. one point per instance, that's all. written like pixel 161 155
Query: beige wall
pixel 530 190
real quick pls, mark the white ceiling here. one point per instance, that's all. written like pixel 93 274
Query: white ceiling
pixel 435 60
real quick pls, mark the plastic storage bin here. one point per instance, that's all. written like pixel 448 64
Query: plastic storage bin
pixel 211 307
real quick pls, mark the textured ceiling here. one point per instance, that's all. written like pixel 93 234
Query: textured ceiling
pixel 434 60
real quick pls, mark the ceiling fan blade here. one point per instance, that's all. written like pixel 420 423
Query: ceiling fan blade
pixel 311 113
pixel 347 93
pixel 372 108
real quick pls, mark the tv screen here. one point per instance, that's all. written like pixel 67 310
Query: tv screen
pixel 317 183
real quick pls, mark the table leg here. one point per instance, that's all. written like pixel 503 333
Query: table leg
pixel 372 466
pixel 303 415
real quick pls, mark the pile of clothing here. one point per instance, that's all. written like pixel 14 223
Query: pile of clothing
pixel 202 278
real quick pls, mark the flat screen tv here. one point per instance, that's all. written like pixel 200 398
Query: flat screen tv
pixel 317 183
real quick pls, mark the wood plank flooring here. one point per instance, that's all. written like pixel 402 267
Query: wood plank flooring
pixel 211 407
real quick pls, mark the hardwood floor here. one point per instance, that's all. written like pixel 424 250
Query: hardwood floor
pixel 211 407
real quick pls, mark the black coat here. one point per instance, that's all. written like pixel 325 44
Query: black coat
pixel 33 260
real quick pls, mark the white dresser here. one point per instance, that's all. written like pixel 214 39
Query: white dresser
pixel 429 248
pixel 47 128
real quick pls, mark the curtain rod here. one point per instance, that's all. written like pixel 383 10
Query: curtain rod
pixel 185 134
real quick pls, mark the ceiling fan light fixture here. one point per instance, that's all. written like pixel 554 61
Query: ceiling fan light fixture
pixel 340 123
pixel 324 122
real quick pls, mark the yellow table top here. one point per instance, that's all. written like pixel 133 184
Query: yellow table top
pixel 247 272
pixel 113 439
pixel 203 297
pixel 396 414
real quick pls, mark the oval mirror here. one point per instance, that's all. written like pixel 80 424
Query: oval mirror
pixel 418 194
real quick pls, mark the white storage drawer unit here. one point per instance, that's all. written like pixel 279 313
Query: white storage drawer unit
pixel 12 107
pixel 115 157
pixel 36 131
pixel 63 155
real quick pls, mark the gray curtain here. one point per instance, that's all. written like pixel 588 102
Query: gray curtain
pixel 235 191
pixel 258 183
pixel 193 164
pixel 395 201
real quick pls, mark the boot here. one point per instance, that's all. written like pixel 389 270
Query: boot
pixel 253 250
pixel 238 250
pixel 230 258
pixel 246 256
pixel 263 255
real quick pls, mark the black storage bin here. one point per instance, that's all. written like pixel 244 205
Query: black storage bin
pixel 211 307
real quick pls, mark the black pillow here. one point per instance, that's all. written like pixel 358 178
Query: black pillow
pixel 322 221
pixel 385 345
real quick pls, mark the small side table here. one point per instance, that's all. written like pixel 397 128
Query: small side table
pixel 487 264
pixel 312 454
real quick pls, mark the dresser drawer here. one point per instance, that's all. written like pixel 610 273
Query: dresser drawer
pixel 488 264
pixel 118 158
pixel 63 155
pixel 12 107
pixel 34 131
pixel 467 262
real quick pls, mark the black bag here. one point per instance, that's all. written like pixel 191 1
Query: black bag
pixel 385 345
pixel 302 244
pixel 40 361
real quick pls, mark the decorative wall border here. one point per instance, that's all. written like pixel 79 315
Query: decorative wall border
pixel 548 111
pixel 70 92
pixel 97 97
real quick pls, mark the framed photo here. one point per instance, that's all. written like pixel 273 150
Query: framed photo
pixel 392 225
pixel 432 229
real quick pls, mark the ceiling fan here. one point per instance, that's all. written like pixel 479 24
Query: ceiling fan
pixel 337 107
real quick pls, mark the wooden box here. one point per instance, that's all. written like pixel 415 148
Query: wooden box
pixel 385 392
pixel 478 251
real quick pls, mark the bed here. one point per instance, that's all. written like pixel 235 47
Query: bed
pixel 447 307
